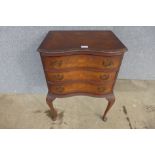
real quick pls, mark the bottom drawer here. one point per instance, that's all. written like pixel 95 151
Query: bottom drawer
pixel 80 88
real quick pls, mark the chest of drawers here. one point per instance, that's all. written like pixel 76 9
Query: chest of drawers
pixel 81 63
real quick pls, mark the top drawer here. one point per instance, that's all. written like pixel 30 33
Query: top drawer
pixel 81 61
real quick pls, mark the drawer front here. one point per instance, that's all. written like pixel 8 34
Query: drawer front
pixel 78 61
pixel 80 88
pixel 80 75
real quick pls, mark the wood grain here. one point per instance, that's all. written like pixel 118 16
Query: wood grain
pixel 72 70
pixel 79 61
pixel 80 75
pixel 71 41
pixel 80 87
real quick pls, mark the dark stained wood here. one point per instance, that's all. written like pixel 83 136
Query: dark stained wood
pixel 111 100
pixel 49 101
pixel 73 70
pixel 89 61
pixel 80 75
pixel 67 41
pixel 83 87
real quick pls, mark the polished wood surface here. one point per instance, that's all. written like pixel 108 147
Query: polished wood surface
pixel 85 87
pixel 80 75
pixel 77 61
pixel 81 63
pixel 67 41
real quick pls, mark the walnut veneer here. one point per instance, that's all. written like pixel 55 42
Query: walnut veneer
pixel 81 63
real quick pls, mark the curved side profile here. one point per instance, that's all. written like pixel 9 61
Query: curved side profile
pixel 51 97
pixel 81 63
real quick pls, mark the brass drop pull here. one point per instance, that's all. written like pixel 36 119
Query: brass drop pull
pixel 107 63
pixel 56 63
pixel 59 89
pixel 104 77
pixel 101 89
pixel 57 77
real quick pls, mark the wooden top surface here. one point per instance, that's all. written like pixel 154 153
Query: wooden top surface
pixel 74 41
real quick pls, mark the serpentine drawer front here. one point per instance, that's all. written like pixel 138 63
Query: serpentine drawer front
pixel 79 87
pixel 81 63
pixel 80 75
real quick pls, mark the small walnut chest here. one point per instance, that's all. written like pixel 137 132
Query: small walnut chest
pixel 81 63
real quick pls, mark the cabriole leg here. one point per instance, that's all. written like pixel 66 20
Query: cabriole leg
pixel 111 100
pixel 49 101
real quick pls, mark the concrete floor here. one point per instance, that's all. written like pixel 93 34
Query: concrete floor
pixel 134 108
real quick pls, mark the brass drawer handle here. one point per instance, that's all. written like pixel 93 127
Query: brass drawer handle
pixel 57 77
pixel 107 63
pixel 101 89
pixel 104 77
pixel 59 89
pixel 56 63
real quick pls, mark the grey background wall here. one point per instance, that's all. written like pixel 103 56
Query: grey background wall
pixel 20 66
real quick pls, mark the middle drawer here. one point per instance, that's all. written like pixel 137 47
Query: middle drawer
pixel 80 76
